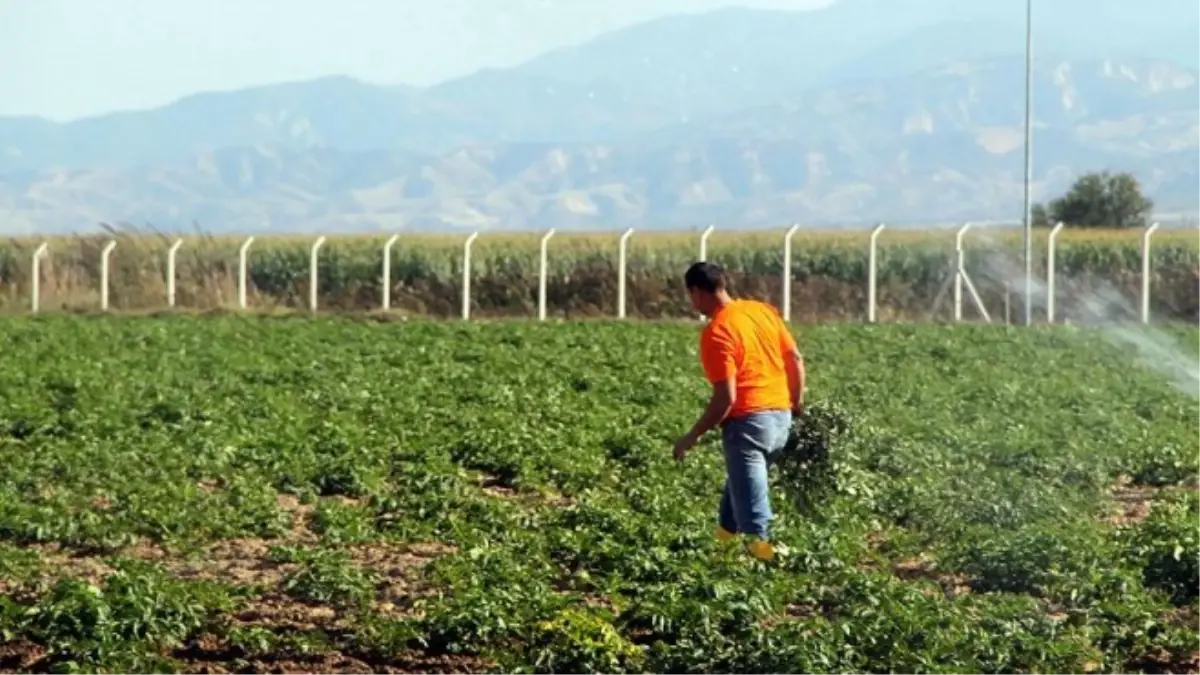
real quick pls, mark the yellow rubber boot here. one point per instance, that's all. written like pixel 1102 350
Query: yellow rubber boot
pixel 724 534
pixel 763 550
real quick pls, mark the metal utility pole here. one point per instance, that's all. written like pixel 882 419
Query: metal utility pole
pixel 1028 243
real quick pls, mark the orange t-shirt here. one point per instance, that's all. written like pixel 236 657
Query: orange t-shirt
pixel 747 339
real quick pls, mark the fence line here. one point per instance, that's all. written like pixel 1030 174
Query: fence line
pixel 466 276
pixel 172 254
pixel 38 254
pixel 787 272
pixel 543 270
pixel 959 277
pixel 872 270
pixel 1051 242
pixel 386 301
pixel 243 264
pixel 1149 232
pixel 622 276
pixel 105 260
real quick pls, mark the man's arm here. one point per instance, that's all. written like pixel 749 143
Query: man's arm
pixel 724 393
pixel 794 362
pixel 720 368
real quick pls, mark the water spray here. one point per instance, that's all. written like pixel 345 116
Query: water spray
pixel 1117 319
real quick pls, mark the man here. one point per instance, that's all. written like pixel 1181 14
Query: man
pixel 757 377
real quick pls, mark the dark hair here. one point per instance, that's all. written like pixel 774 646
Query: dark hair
pixel 706 276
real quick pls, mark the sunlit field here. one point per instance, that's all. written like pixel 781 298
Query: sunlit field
pixel 257 494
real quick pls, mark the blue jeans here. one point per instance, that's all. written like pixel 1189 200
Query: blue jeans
pixel 752 444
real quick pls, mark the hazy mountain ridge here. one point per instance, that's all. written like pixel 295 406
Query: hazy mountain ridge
pixel 776 122
pixel 625 83
pixel 933 143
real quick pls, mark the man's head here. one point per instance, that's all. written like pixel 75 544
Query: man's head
pixel 706 285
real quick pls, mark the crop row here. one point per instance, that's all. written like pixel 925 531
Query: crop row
pixel 829 273
pixel 284 494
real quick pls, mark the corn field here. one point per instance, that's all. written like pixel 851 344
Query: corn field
pixel 829 273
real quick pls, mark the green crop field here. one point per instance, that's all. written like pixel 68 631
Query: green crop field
pixel 283 494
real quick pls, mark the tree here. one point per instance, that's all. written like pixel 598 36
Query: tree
pixel 1038 216
pixel 1098 200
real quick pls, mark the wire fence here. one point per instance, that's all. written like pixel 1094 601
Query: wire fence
pixel 969 273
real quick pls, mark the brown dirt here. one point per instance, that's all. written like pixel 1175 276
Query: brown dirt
pixel 301 515
pixel 210 654
pixel 398 567
pixel 877 540
pixel 1162 661
pixel 245 562
pixel 333 662
pixel 952 584
pixel 216 561
pixel 278 611
pixel 242 561
pixel 1132 503
pixel 494 486
pixel 20 656
pixel 60 563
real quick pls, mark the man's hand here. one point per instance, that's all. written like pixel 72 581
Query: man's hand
pixel 685 443
pixel 797 409
pixel 724 393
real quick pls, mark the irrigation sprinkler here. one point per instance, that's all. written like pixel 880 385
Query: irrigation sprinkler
pixel 542 275
pixel 1051 242
pixel 466 276
pixel 622 251
pixel 38 254
pixel 105 264
pixel 872 280
pixel 313 276
pixel 1146 234
pixel 386 302
pixel 243 261
pixel 787 271
pixel 172 254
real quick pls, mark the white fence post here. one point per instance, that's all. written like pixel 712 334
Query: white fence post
pixel 313 273
pixel 872 267
pixel 542 276
pixel 466 276
pixel 386 302
pixel 704 242
pixel 243 254
pixel 963 279
pixel 1051 242
pixel 172 253
pixel 959 266
pixel 38 254
pixel 1146 234
pixel 787 271
pixel 105 258
pixel 622 251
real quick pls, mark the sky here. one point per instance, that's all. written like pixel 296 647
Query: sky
pixel 69 59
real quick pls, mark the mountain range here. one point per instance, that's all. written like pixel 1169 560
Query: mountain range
pixel 896 110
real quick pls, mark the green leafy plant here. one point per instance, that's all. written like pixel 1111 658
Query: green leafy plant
pixel 422 496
